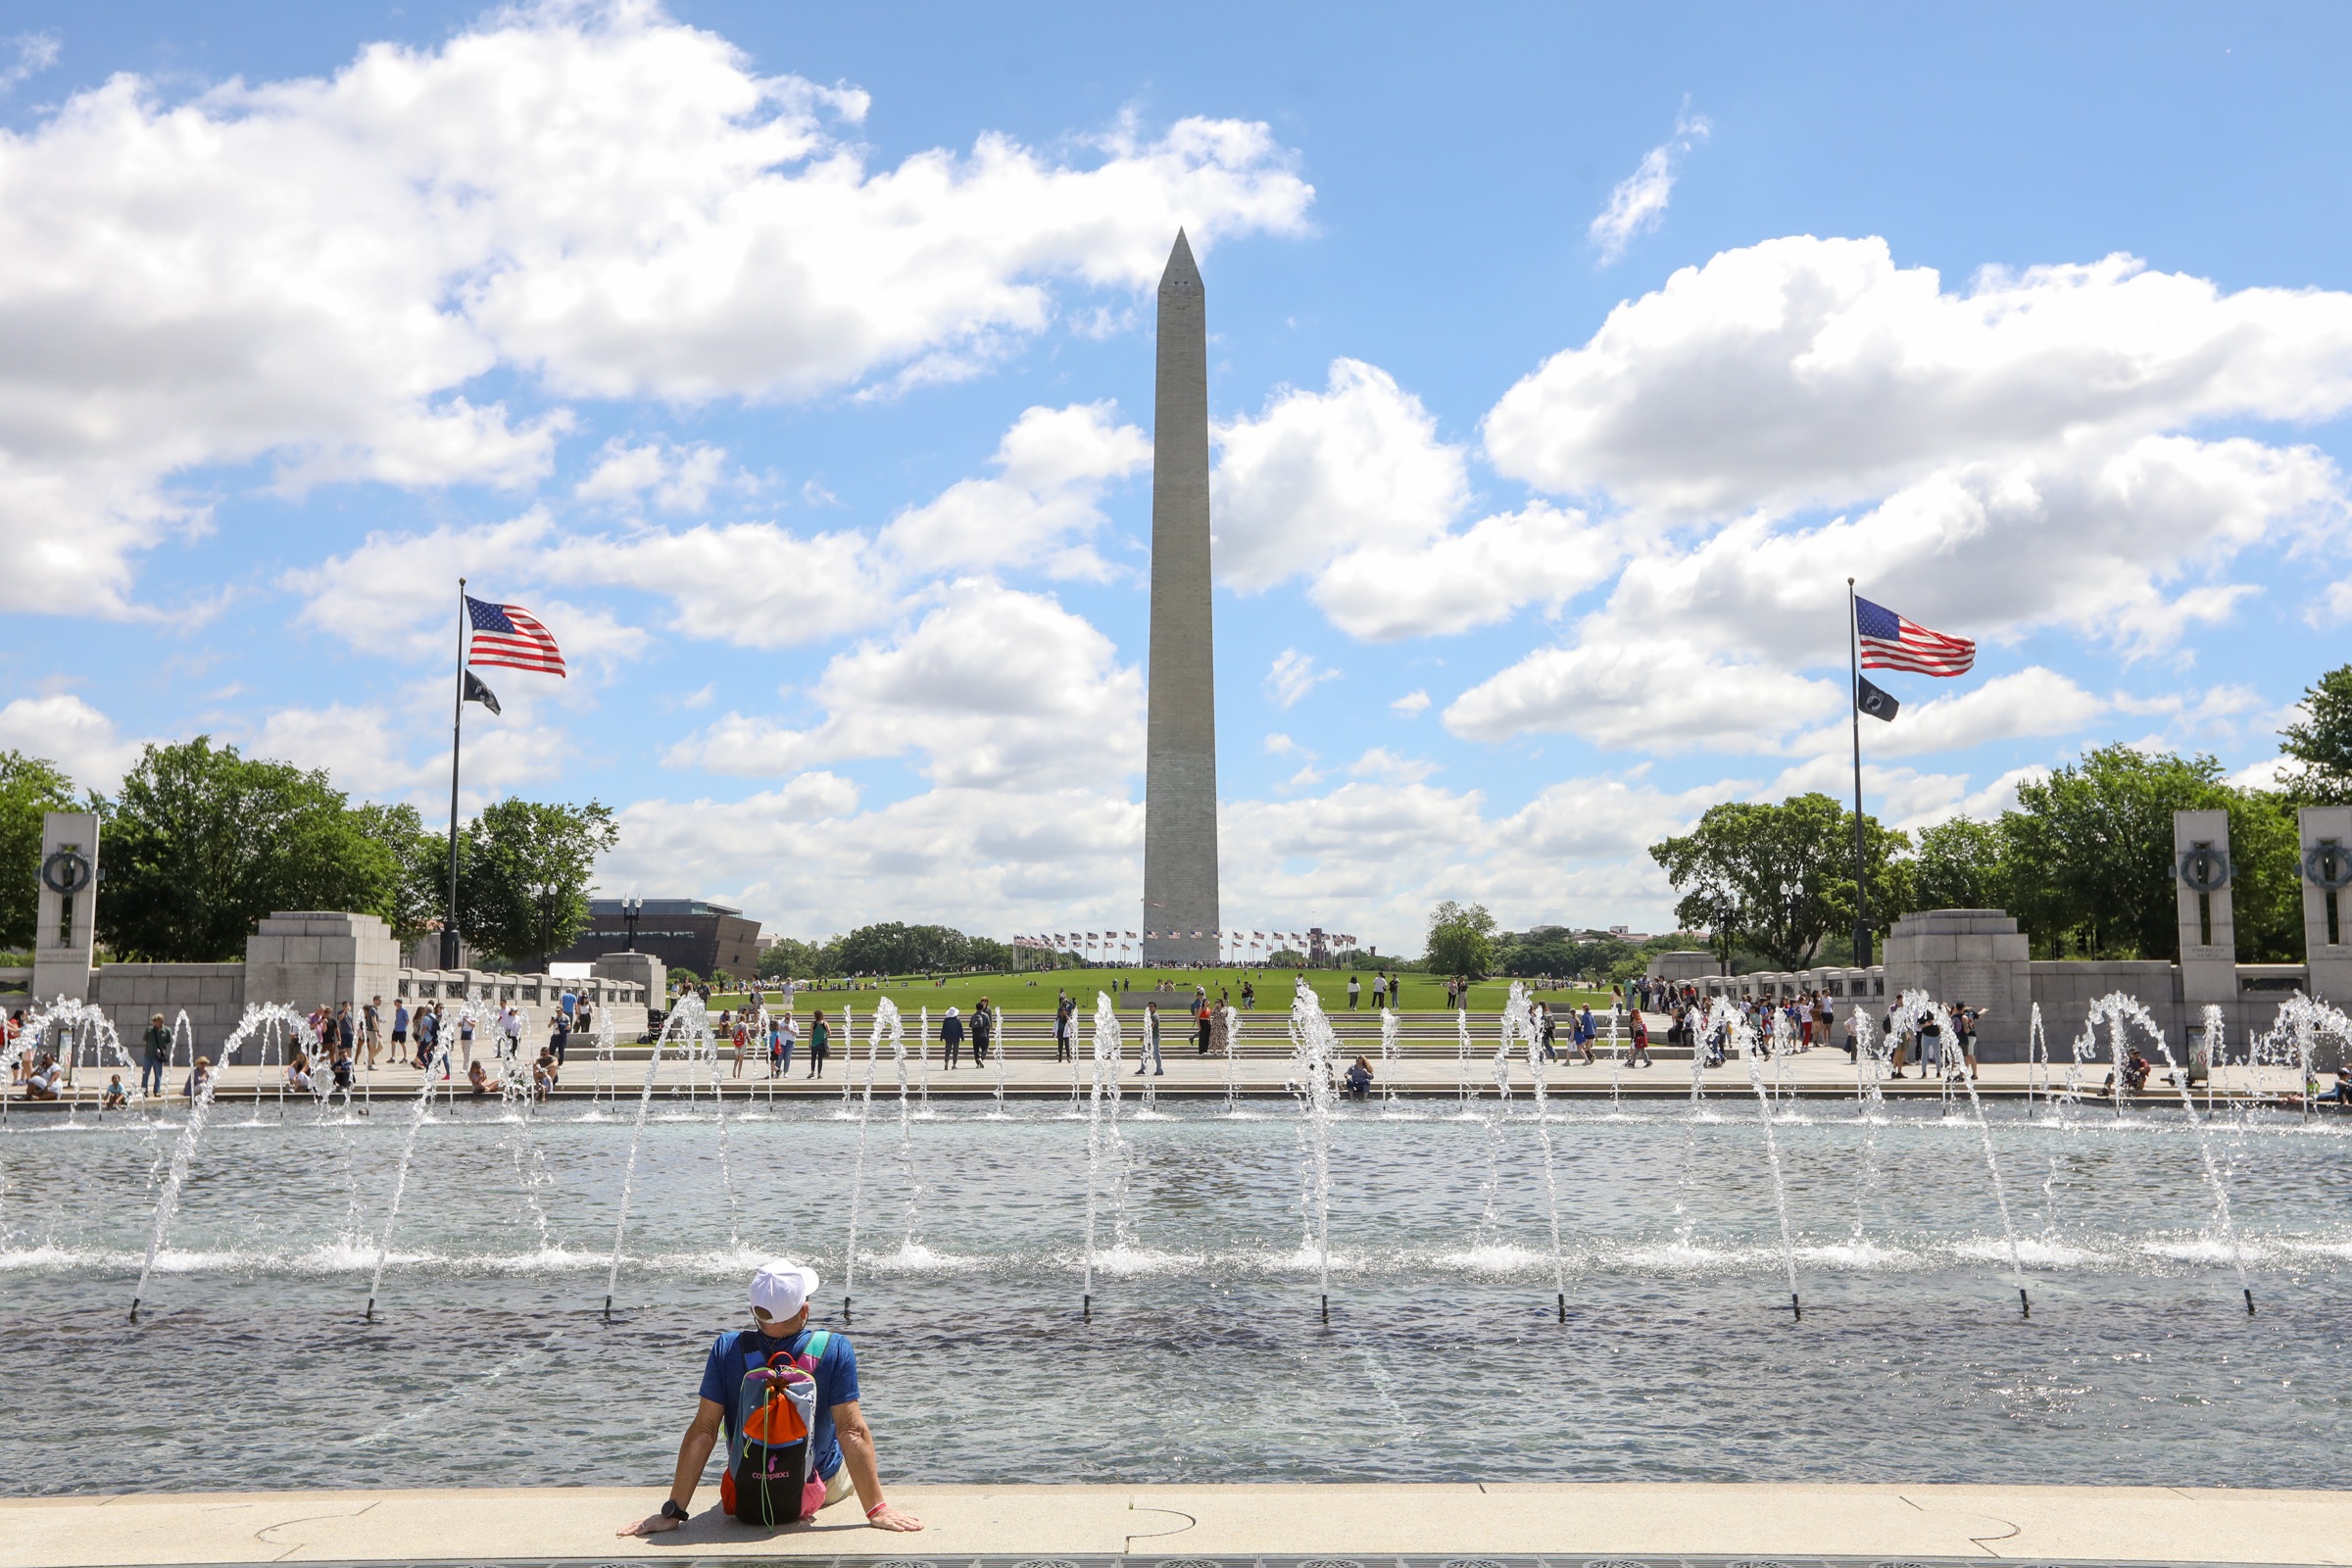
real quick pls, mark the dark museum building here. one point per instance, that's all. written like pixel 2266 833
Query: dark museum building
pixel 683 933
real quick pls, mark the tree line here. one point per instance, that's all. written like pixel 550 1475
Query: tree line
pixel 201 842
pixel 1463 939
pixel 890 946
pixel 2084 861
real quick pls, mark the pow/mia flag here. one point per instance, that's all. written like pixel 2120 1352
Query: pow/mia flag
pixel 478 691
pixel 1870 700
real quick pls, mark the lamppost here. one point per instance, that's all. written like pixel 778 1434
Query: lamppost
pixel 630 910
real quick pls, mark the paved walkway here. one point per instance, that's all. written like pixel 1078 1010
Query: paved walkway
pixel 1425 1070
pixel 1151 1524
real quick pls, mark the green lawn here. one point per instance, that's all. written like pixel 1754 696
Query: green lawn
pixel 1034 992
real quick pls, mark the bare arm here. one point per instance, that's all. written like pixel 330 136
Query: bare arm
pixel 865 1473
pixel 694 1452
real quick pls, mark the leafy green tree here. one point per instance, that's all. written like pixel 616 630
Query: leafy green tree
pixel 30 787
pixel 524 868
pixel 2322 741
pixel 1462 940
pixel 2100 836
pixel 1961 866
pixel 1779 879
pixel 202 843
pixel 893 948
pixel 790 959
pixel 421 894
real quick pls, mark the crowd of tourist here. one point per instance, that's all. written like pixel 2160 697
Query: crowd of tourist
pixel 341 1040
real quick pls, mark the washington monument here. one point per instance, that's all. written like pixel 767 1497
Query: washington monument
pixel 1180 768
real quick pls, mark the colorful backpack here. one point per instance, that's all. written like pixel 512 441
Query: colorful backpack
pixel 772 1474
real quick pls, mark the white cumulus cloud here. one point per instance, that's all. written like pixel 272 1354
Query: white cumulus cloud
pixel 315 272
pixel 992 688
pixel 1352 489
pixel 1054 465
pixel 1815 370
pixel 63 730
pixel 1655 695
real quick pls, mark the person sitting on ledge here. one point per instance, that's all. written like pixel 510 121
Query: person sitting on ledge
pixel 543 1074
pixel 2311 1098
pixel 843 1445
pixel 2135 1075
pixel 41 1083
pixel 483 1083
pixel 1359 1080
pixel 114 1098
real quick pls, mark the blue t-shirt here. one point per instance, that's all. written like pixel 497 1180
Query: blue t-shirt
pixel 734 1354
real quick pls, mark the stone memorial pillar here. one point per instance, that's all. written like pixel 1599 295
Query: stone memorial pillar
pixel 305 958
pixel 2326 877
pixel 2202 872
pixel 1976 957
pixel 65 934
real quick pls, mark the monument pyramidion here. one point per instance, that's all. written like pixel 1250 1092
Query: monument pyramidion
pixel 1180 771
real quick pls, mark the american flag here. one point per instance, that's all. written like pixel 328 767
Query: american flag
pixel 1889 642
pixel 508 636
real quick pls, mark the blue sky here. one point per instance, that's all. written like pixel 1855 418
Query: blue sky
pixel 794 365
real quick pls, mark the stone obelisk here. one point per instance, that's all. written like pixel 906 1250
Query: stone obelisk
pixel 1180 769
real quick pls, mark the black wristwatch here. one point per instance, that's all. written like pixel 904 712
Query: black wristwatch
pixel 671 1510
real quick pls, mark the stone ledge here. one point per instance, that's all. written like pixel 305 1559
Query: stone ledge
pixel 1149 1523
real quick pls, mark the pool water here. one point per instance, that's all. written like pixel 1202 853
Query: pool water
pixel 1207 1357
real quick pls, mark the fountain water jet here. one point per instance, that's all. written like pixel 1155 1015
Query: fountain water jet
pixel 2189 1108
pixel 400 1178
pixel 688 1005
pixel 1516 1014
pixel 1233 1040
pixel 886 1014
pixel 1388 1056
pixel 1915 1002
pixel 1745 1036
pixel 1461 1057
pixel 1106 1054
pixel 1316 1044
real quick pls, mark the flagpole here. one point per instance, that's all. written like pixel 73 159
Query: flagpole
pixel 1853 703
pixel 456 736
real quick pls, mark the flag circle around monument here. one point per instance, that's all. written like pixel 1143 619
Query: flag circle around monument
pixel 2205 869
pixel 66 871
pixel 2329 865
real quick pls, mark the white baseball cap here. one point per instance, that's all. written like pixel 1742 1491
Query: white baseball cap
pixel 783 1286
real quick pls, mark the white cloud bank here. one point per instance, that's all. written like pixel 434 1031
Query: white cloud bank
pixel 315 271
pixel 1351 489
pixel 2026 453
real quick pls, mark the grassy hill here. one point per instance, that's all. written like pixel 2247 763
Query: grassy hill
pixel 1035 991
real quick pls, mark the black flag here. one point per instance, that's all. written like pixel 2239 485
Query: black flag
pixel 1867 698
pixel 477 692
